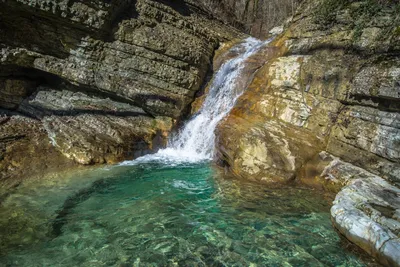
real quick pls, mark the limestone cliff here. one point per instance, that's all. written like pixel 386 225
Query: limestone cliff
pixel 328 95
pixel 323 88
pixel 255 17
pixel 96 81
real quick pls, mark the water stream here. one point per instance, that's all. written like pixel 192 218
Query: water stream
pixel 172 208
pixel 195 142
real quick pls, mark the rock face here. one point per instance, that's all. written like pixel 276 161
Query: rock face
pixel 330 83
pixel 97 81
pixel 25 150
pixel 256 17
pixel 323 89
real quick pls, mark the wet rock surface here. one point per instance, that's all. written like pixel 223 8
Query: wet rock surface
pixel 366 210
pixel 366 206
pixel 101 81
pixel 25 150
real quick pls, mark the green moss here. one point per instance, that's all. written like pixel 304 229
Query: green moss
pixel 396 31
pixel 370 8
pixel 362 15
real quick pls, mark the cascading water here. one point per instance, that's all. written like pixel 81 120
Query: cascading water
pixel 195 142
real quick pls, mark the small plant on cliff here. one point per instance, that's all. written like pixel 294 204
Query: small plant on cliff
pixel 369 10
pixel 366 10
pixel 394 29
pixel 326 11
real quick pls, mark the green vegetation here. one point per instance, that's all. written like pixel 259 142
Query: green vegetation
pixel 367 9
pixel 362 13
pixel 325 14
pixel 396 31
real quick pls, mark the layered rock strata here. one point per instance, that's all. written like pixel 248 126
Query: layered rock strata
pixel 330 83
pixel 97 81
pixel 320 89
pixel 256 17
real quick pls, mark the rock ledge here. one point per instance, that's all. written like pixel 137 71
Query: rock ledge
pixel 366 210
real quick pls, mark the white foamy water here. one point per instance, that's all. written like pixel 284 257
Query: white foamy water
pixel 195 141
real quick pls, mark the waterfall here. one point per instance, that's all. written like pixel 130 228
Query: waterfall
pixel 195 141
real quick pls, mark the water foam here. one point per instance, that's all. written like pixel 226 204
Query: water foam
pixel 195 141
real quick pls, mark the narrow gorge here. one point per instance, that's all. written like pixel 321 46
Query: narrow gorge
pixel 163 133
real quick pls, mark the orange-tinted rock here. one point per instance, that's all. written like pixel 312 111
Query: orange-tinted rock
pixel 332 85
pixel 315 87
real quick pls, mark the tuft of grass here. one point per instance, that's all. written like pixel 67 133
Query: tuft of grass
pixel 358 29
pixel 367 9
pixel 396 31
pixel 363 14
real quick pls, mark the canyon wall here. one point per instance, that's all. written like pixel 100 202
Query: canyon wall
pixel 255 17
pixel 92 81
pixel 324 109
pixel 324 85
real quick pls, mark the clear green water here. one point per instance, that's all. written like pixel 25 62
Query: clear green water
pixel 153 215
